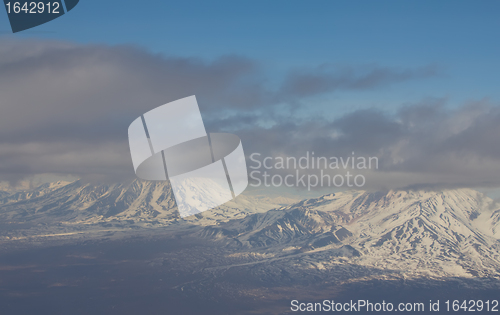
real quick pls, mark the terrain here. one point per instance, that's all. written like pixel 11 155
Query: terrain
pixel 122 248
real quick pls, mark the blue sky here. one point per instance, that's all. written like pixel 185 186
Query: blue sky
pixel 459 37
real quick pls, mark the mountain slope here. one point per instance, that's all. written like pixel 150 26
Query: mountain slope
pixel 4 194
pixel 134 202
pixel 441 233
pixel 452 232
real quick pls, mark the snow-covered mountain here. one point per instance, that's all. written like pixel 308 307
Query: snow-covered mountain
pixel 22 195
pixel 4 194
pixel 194 195
pixel 452 232
pixel 134 202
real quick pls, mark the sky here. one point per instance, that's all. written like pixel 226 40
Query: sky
pixel 414 83
pixel 459 36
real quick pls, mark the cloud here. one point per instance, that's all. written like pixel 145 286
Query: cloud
pixel 69 91
pixel 423 145
pixel 326 78
pixel 65 109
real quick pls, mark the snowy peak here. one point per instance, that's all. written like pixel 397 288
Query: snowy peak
pixel 79 202
pixel 451 232
pixel 465 205
pixel 442 233
pixel 195 195
pixel 148 202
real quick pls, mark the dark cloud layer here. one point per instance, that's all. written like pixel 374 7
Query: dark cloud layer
pixel 65 109
pixel 422 145
pixel 325 79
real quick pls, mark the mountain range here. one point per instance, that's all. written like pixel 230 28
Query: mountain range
pixel 447 233
pixel 430 233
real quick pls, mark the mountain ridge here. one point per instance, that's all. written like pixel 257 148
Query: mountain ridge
pixel 449 232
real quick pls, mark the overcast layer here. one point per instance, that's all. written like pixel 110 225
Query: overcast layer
pixel 65 109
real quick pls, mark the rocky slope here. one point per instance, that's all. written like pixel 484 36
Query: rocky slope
pixel 440 233
pixel 443 233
